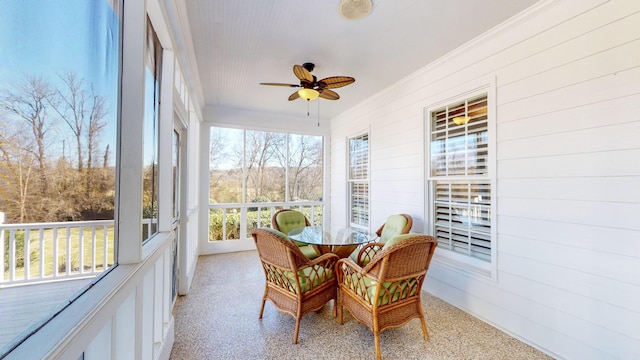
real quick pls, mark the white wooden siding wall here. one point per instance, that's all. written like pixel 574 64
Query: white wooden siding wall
pixel 568 169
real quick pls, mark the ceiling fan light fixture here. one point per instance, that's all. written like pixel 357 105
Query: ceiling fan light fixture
pixel 308 94
pixel 461 120
pixel 355 9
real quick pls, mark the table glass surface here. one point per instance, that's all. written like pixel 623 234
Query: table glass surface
pixel 316 236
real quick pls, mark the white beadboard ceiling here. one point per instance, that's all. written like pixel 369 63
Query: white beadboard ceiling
pixel 239 43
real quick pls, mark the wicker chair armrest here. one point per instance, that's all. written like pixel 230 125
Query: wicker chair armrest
pixel 346 266
pixel 327 260
pixel 368 252
pixel 353 279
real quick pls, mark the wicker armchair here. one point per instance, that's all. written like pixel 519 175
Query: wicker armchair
pixel 386 292
pixel 295 284
pixel 397 224
pixel 286 220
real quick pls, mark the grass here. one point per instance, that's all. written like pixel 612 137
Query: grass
pixel 46 261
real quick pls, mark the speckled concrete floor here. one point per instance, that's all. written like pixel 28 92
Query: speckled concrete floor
pixel 219 320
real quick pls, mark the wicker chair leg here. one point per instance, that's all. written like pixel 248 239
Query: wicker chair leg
pixel 423 322
pixel 295 333
pixel 262 307
pixel 424 328
pixel 340 312
pixel 376 339
pixel 335 308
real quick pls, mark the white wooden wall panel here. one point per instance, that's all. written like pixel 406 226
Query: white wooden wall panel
pixel 604 39
pixel 610 163
pixel 124 323
pixel 568 165
pixel 610 266
pixel 616 189
pixel 587 236
pixel 582 284
pixel 619 137
pixel 589 321
pixel 613 86
pixel 617 215
pixel 100 347
pixel 609 112
pixel 145 309
pixel 610 62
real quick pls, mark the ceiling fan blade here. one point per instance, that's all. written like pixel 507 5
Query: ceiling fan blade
pixel 279 84
pixel 302 73
pixel 294 96
pixel 336 81
pixel 329 95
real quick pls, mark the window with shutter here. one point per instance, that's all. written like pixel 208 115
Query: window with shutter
pixel 459 178
pixel 358 181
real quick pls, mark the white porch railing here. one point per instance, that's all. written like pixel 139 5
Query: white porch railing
pixel 235 221
pixel 39 252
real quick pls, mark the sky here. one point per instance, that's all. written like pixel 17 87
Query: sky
pixel 48 38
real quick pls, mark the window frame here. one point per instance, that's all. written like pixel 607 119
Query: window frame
pixel 350 182
pixel 451 259
pixel 245 202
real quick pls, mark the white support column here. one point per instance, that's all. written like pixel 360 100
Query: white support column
pixel 131 127
pixel 203 213
pixel 165 170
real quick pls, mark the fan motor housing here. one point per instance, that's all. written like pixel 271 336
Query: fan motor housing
pixel 354 9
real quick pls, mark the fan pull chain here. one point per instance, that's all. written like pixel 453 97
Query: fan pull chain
pixel 318 112
pixel 308 107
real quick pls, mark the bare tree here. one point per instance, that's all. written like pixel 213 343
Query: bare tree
pixel 304 163
pixel 305 155
pixel 15 174
pixel 83 111
pixel 28 102
pixel 260 149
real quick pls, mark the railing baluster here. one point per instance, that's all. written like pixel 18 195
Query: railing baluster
pixel 93 249
pixel 55 269
pixel 105 247
pixel 81 250
pixel 26 255
pixel 2 254
pixel 224 224
pixel 12 255
pixel 42 254
pixel 68 250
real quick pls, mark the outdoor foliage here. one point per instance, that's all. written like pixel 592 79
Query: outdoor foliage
pixel 19 249
pixel 233 221
pixel 53 166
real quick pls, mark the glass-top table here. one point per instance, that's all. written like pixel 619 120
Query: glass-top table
pixel 342 244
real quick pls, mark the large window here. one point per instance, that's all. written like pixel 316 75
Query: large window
pixel 153 62
pixel 59 90
pixel 459 178
pixel 253 173
pixel 358 182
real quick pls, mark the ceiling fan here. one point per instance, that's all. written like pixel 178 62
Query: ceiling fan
pixel 312 88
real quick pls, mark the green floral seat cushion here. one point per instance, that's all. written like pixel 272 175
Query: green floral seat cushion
pixel 310 277
pixel 289 220
pixel 307 250
pixel 396 239
pixel 392 227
